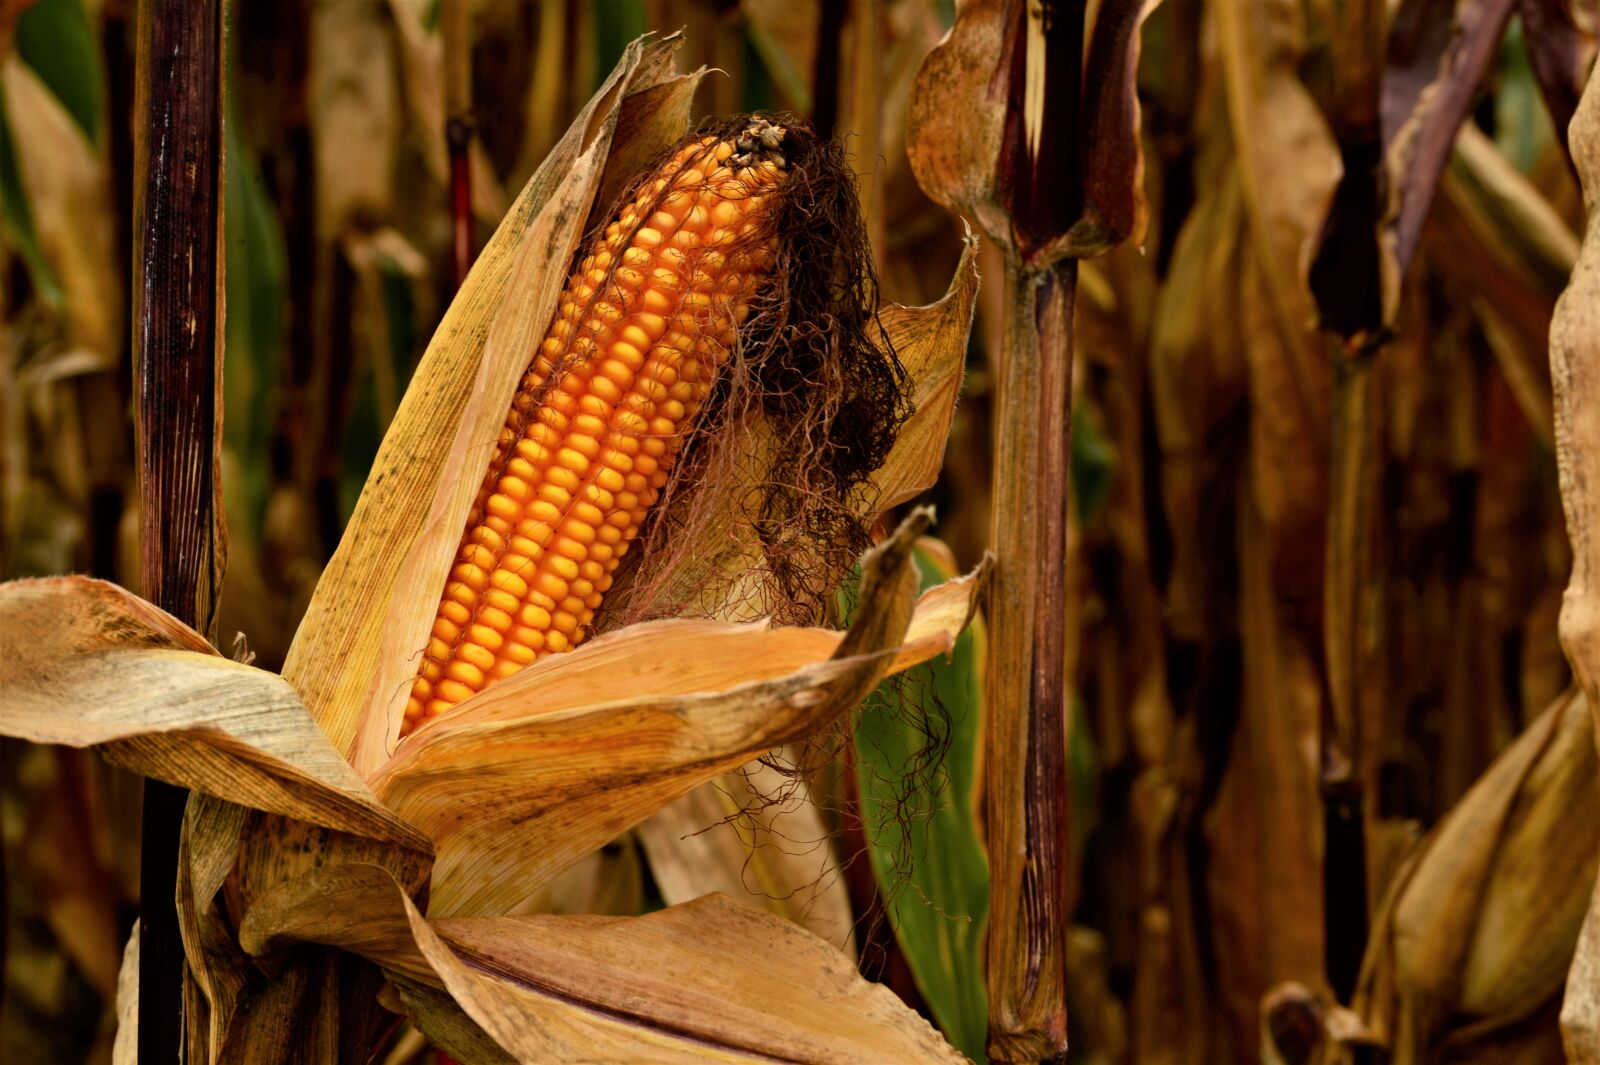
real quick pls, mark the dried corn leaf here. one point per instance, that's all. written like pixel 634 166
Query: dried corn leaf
pixel 1265 870
pixel 423 63
pixel 957 132
pixel 59 864
pixel 69 196
pixel 1497 235
pixel 931 342
pixel 88 664
pixel 1277 127
pixel 1476 934
pixel 711 979
pixel 546 766
pixel 1561 49
pixel 351 659
pixel 1427 94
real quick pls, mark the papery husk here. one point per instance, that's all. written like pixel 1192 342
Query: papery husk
pixel 757 836
pixel 721 578
pixel 1469 953
pixel 711 980
pixel 931 343
pixel 800 881
pixel 236 1014
pixel 353 656
pixel 88 664
pixel 544 767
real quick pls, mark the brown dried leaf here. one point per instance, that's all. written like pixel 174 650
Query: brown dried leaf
pixel 965 97
pixel 711 977
pixel 70 200
pixel 931 342
pixel 1278 128
pixel 1427 94
pixel 1514 253
pixel 1477 934
pixel 88 664
pixel 1264 871
pixel 423 67
pixel 957 117
pixel 1560 36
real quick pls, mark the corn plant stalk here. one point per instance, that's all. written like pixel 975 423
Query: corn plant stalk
pixel 177 325
pixel 455 25
pixel 1026 680
pixel 1575 366
pixel 1046 159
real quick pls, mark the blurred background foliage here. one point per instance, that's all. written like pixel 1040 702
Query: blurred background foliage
pixel 1202 474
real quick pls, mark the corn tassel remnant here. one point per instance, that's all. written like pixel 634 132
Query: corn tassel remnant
pixel 643 326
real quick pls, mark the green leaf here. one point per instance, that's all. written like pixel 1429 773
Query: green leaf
pixel 756 91
pixel 1522 127
pixel 921 824
pixel 17 218
pixel 779 67
pixel 616 24
pixel 254 334
pixel 55 39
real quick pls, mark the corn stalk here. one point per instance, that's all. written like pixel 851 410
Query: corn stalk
pixel 1046 160
pixel 177 324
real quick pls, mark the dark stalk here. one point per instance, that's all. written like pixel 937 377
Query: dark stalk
pixel 1027 794
pixel 825 72
pixel 455 26
pixel 176 325
pixel 1027 798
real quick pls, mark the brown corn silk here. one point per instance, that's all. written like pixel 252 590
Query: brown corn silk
pixel 645 322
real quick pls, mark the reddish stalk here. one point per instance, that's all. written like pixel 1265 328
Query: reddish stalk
pixel 177 322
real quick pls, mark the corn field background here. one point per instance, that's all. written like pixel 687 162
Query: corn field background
pixel 1333 791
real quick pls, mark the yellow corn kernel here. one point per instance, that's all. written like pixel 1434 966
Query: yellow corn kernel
pixel 598 419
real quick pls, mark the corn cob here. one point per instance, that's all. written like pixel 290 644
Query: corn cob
pixel 643 325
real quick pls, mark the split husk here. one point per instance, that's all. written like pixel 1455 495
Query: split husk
pixel 310 829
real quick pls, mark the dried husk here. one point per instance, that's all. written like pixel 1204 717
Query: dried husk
pixel 1469 953
pixel 708 979
pixel 694 731
pixel 1495 233
pixel 351 657
pixel 88 664
pixel 537 774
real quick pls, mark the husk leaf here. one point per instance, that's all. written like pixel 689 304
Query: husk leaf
pixel 88 664
pixel 539 770
pixel 354 654
pixel 711 980
pixel 1476 933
